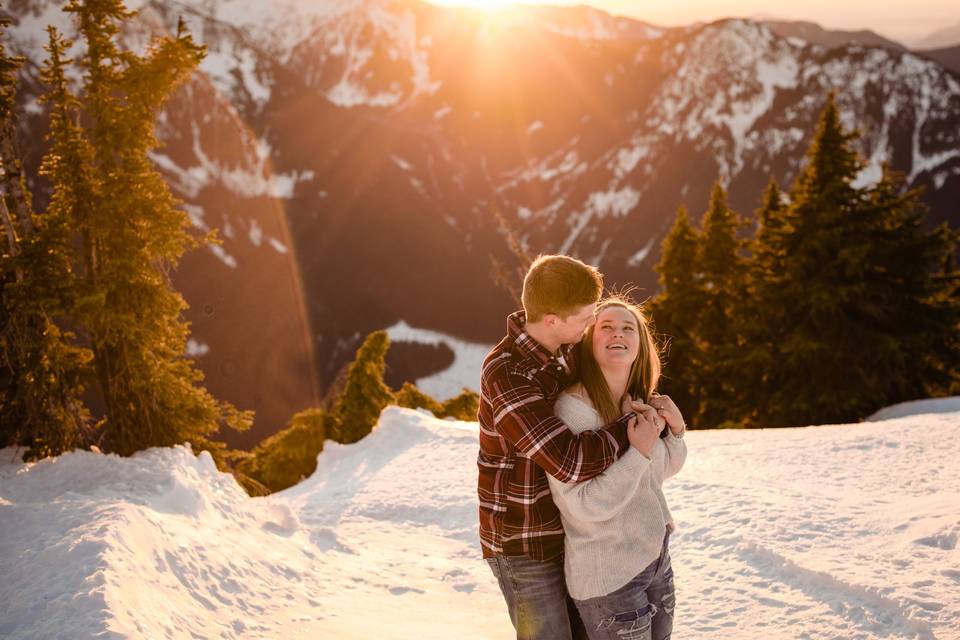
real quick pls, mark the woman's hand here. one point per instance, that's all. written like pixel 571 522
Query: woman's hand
pixel 668 410
pixel 644 430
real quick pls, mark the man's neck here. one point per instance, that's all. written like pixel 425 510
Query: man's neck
pixel 617 379
pixel 542 334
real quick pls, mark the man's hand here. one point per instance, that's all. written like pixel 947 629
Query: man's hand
pixel 642 431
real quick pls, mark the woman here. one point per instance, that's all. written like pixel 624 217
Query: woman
pixel 617 525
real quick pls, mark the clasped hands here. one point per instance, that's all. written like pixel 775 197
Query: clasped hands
pixel 644 430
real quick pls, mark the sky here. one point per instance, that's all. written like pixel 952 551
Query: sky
pixel 906 22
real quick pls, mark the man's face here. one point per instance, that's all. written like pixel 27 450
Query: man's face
pixel 571 329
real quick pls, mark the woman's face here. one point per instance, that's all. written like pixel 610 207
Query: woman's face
pixel 616 338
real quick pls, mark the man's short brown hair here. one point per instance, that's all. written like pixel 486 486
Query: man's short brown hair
pixel 559 285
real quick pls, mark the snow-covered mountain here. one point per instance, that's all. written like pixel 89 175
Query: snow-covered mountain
pixel 386 133
pixel 843 531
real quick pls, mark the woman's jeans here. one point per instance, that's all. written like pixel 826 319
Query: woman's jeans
pixel 640 610
pixel 536 596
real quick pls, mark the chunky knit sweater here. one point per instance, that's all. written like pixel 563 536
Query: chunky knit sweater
pixel 614 524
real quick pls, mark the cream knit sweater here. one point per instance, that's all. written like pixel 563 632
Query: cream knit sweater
pixel 614 524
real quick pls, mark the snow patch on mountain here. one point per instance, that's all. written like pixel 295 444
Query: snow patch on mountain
pixel 464 372
pixel 757 64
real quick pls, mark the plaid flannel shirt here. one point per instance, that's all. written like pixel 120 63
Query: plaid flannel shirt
pixel 521 440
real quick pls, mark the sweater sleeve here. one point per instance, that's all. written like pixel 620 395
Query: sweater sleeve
pixel 526 420
pixel 676 455
pixel 603 496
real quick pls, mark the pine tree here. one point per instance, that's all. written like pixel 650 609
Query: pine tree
pixel 865 321
pixel 759 314
pixel 288 456
pixel 42 370
pixel 675 312
pixel 463 406
pixel 365 394
pixel 718 327
pixel 910 314
pixel 411 397
pixel 132 235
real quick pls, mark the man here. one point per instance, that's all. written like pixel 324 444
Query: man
pixel 521 441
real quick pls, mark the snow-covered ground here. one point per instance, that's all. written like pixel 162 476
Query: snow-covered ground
pixel 846 531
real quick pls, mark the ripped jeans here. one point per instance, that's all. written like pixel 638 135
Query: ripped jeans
pixel 642 609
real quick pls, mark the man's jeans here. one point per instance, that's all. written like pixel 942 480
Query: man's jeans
pixel 640 610
pixel 536 596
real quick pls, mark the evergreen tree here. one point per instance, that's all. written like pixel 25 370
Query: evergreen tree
pixel 365 394
pixel 718 328
pixel 41 368
pixel 675 312
pixel 411 397
pixel 759 314
pixel 910 314
pixel 865 320
pixel 132 235
pixel 288 456
pixel 463 406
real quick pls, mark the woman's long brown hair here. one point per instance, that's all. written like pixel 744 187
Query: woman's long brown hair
pixel 644 373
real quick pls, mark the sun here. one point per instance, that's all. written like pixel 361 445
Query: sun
pixel 483 5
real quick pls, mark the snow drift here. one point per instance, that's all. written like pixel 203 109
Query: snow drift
pixel 844 531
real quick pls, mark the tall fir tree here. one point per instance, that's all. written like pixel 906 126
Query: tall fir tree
pixel 759 314
pixel 718 328
pixel 675 311
pixel 42 370
pixel 911 313
pixel 132 235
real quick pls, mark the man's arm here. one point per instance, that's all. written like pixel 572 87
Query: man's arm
pixel 525 419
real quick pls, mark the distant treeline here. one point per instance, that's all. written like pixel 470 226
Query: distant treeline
pixel 835 303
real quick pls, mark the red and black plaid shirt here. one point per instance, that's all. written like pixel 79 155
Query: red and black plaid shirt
pixel 521 440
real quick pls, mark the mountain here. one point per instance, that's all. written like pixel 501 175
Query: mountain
pixel 946 37
pixel 815 34
pixel 365 146
pixel 949 57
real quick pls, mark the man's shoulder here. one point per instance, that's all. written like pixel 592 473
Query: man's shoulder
pixel 503 361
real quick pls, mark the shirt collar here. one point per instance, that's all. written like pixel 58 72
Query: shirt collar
pixel 526 346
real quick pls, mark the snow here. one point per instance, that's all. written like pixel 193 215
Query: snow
pixel 599 205
pixel 196 348
pixel 637 259
pixel 400 162
pixel 251 178
pixel 463 372
pixel 222 255
pixel 278 246
pixel 842 531
pixel 256 233
pixel 918 407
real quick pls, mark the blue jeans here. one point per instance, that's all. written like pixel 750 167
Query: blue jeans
pixel 642 609
pixel 536 597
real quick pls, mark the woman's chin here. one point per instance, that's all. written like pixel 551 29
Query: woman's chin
pixel 615 360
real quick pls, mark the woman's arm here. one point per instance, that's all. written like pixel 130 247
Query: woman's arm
pixel 603 496
pixel 676 454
